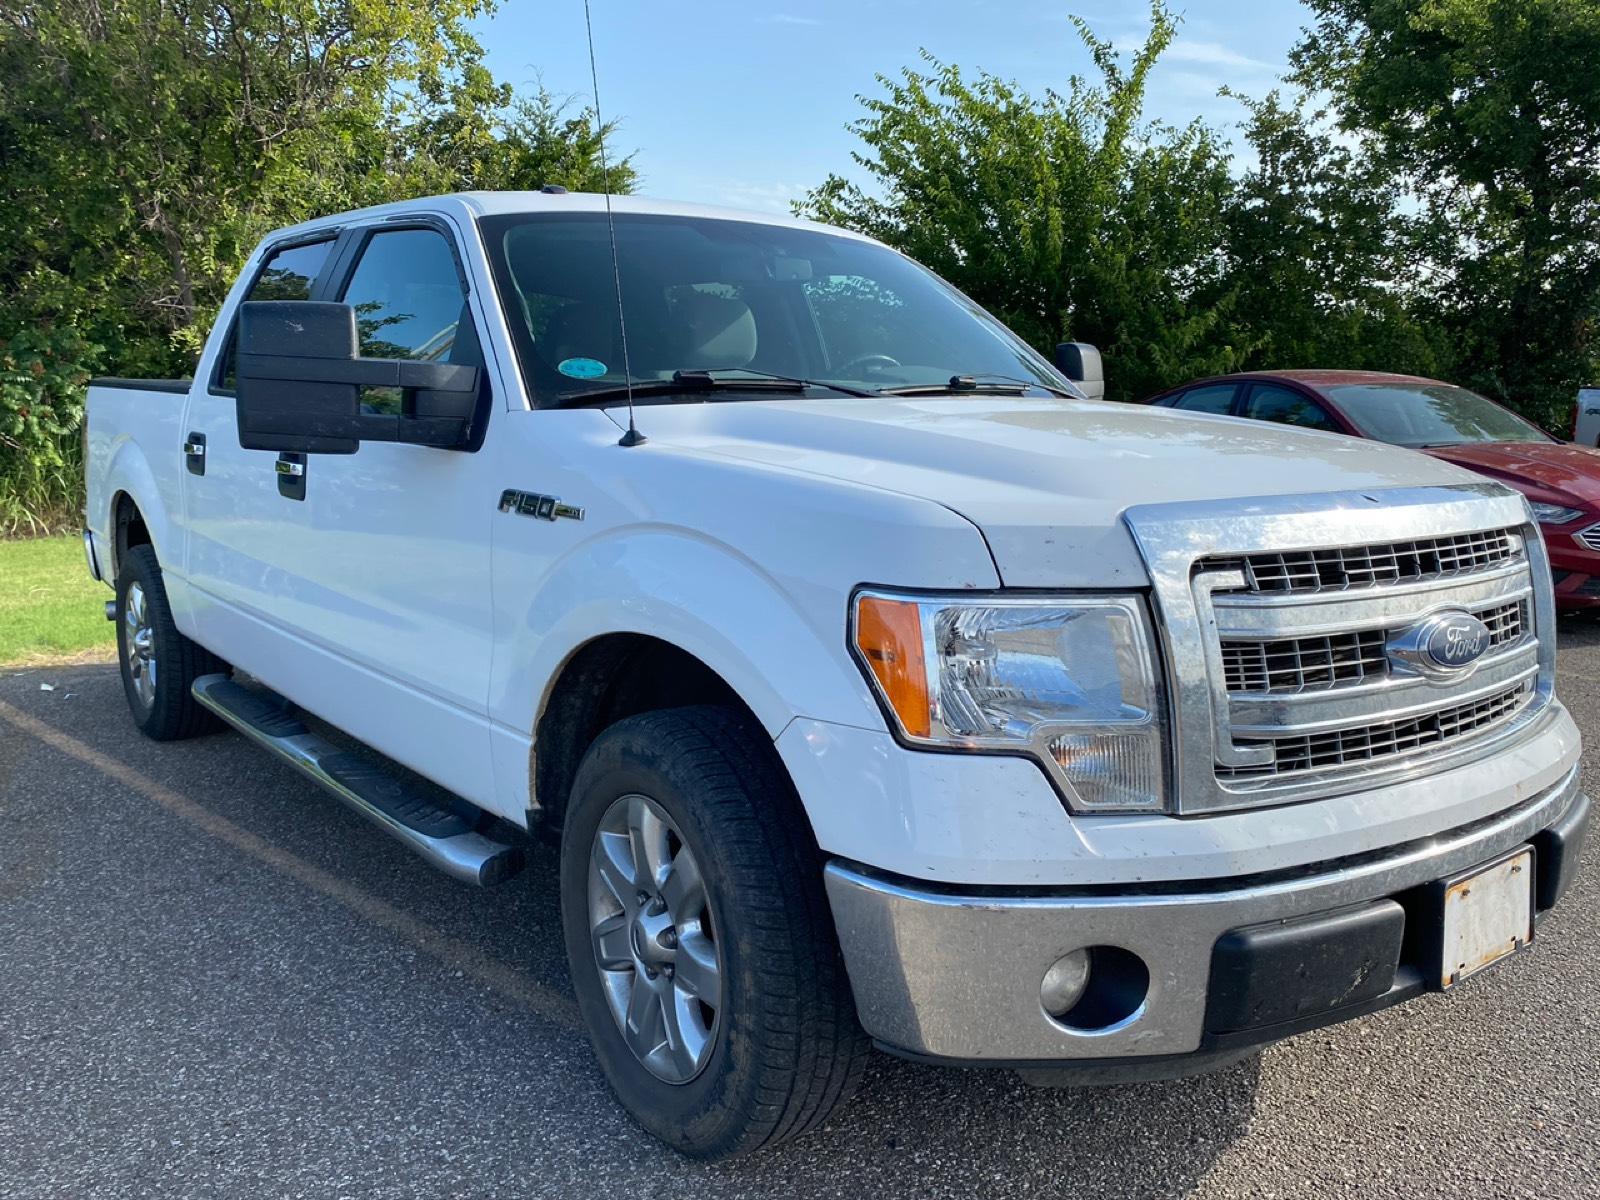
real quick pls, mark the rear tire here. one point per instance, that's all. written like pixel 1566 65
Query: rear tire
pixel 769 1004
pixel 159 664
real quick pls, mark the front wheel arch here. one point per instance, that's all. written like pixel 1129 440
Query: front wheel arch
pixel 606 680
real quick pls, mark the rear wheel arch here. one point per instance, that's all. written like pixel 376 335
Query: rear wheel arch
pixel 128 529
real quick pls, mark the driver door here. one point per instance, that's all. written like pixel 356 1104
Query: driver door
pixel 395 561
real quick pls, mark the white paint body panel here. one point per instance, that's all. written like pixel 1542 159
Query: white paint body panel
pixel 398 604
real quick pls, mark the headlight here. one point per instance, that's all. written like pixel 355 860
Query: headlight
pixel 1072 682
pixel 1555 514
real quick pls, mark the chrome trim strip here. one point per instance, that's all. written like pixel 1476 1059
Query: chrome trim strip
pixel 469 857
pixel 1512 568
pixel 1238 617
pixel 903 944
pixel 1176 539
pixel 1523 723
pixel 1285 714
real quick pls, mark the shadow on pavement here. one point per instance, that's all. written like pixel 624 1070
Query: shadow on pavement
pixel 314 1044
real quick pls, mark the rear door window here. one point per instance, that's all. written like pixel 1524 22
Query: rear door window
pixel 1287 406
pixel 287 274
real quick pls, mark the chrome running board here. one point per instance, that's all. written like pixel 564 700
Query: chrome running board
pixel 444 835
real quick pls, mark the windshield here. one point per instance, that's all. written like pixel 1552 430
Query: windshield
pixel 1430 414
pixel 730 296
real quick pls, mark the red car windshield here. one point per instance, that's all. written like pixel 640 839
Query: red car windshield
pixel 1423 415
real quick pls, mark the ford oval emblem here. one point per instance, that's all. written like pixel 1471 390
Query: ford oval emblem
pixel 1445 644
pixel 1457 640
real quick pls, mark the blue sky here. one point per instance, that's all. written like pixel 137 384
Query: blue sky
pixel 746 103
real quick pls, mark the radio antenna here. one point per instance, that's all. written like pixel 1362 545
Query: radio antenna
pixel 633 437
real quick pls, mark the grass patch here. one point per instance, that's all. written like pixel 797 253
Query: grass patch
pixel 50 610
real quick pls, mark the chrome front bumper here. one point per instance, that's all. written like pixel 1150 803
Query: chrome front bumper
pixel 955 973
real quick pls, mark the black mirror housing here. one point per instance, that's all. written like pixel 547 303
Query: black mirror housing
pixel 300 377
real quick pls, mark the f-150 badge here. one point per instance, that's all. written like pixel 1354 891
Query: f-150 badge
pixel 531 504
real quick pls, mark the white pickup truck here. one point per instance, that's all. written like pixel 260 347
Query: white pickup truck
pixel 878 687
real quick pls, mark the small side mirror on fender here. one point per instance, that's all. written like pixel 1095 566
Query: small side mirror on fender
pixel 300 376
pixel 1080 362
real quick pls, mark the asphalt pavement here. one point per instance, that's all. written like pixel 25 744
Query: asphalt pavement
pixel 216 982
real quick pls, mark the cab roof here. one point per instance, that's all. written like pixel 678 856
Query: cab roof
pixel 473 205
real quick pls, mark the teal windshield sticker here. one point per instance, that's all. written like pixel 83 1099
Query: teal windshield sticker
pixel 582 368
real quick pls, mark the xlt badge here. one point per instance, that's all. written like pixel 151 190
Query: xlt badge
pixel 531 504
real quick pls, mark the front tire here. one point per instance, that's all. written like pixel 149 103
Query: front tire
pixel 159 664
pixel 700 940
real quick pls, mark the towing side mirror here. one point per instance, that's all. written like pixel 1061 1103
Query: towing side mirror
pixel 300 376
pixel 1080 362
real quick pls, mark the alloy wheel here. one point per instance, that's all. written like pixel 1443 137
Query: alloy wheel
pixel 654 939
pixel 139 644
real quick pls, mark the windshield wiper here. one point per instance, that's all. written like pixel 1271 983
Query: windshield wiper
pixel 689 382
pixel 729 381
pixel 987 384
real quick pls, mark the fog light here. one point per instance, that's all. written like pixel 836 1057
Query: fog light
pixel 1064 983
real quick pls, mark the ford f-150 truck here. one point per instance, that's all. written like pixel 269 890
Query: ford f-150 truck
pixel 878 687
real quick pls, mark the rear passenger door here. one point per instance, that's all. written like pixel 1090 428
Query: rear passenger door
pixel 243 547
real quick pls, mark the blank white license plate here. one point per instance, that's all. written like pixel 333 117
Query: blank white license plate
pixel 1487 916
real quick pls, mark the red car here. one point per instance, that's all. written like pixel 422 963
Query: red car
pixel 1561 481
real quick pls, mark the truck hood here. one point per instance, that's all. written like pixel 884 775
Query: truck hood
pixel 1046 481
pixel 1572 472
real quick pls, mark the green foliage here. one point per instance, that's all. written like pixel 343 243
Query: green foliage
pixel 1491 110
pixel 1066 215
pixel 42 377
pixel 147 145
pixel 1441 217
pixel 1319 250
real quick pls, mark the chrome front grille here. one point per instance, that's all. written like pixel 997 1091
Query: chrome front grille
pixel 1590 537
pixel 1295 665
pixel 1339 568
pixel 1365 745
pixel 1291 628
pixel 1301 664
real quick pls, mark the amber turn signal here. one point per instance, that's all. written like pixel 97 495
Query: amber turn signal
pixel 889 637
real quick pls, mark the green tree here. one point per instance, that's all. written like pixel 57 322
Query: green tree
pixel 147 145
pixel 1491 110
pixel 1068 216
pixel 476 134
pixel 1320 250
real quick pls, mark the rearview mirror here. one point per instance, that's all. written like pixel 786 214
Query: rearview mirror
pixel 1080 362
pixel 300 376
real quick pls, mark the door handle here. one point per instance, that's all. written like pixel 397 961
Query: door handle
pixel 291 471
pixel 194 453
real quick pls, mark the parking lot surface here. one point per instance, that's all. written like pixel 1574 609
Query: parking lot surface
pixel 216 982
